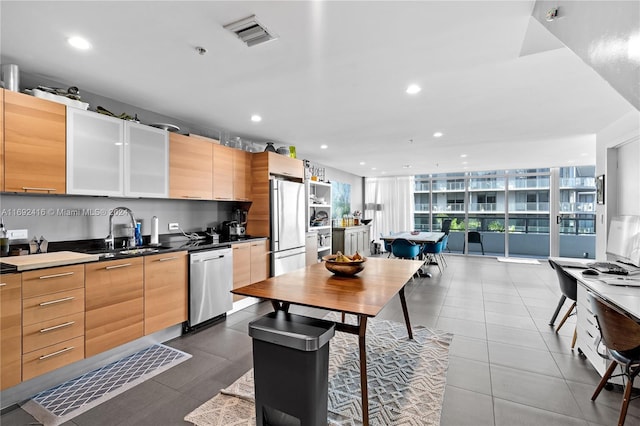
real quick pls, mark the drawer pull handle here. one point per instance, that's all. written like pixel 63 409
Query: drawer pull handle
pixel 55 327
pixel 34 188
pixel 64 274
pixel 166 259
pixel 3 284
pixel 61 351
pixel 193 197
pixel 124 265
pixel 51 302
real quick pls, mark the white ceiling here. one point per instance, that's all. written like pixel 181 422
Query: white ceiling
pixel 502 89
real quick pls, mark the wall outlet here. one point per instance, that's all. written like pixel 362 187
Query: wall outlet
pixel 18 234
pixel 174 226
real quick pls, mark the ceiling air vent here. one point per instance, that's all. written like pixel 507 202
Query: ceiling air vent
pixel 250 31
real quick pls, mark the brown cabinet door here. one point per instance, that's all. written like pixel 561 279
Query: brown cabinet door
pixel 114 304
pixel 259 261
pixel 34 144
pixel 241 266
pixel 285 166
pixel 10 330
pixel 190 168
pixel 1 139
pixel 222 173
pixel 241 175
pixel 165 290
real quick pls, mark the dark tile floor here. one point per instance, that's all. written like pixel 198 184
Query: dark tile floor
pixel 507 366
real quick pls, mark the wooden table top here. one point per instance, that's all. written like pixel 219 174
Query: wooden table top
pixel 364 294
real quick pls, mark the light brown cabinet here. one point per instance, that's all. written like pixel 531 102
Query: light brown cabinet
pixel 222 173
pixel 190 167
pixel 259 260
pixel 241 175
pixel 250 263
pixel 52 319
pixel 34 144
pixel 10 330
pixel 114 303
pixel 1 139
pixel 264 165
pixel 165 290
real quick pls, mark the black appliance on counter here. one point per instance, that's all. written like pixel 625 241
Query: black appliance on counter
pixel 231 229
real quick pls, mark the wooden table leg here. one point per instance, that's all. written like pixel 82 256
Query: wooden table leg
pixel 362 329
pixel 405 311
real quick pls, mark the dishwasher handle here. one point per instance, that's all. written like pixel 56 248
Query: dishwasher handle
pixel 207 259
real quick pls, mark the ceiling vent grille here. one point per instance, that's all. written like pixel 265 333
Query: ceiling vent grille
pixel 250 31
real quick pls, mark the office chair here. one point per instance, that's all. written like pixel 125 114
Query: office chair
pixel 434 251
pixel 476 238
pixel 621 336
pixel 569 289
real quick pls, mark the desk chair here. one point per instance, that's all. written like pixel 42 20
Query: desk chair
pixel 434 251
pixel 621 336
pixel 476 238
pixel 569 289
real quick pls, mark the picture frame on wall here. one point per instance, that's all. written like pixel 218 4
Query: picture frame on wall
pixel 600 189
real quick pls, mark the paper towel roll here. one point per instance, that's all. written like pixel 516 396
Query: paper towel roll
pixel 154 230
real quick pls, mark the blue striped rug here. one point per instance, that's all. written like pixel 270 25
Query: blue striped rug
pixel 73 397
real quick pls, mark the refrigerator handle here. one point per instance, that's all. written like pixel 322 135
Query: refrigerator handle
pixel 275 218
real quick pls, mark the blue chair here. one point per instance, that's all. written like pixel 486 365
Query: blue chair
pixel 405 249
pixel 434 251
pixel 387 244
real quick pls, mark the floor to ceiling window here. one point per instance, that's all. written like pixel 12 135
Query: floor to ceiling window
pixel 510 211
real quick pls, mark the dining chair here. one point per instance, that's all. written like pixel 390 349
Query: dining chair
pixel 621 335
pixel 387 244
pixel 569 288
pixel 476 238
pixel 446 226
pixel 405 249
pixel 434 251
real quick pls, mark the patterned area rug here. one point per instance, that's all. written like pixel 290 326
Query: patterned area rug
pixel 406 380
pixel 73 397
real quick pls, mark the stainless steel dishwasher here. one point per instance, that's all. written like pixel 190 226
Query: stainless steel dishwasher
pixel 210 284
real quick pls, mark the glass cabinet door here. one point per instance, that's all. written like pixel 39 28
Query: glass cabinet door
pixel 146 161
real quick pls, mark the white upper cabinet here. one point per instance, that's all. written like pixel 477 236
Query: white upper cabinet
pixel 113 157
pixel 146 161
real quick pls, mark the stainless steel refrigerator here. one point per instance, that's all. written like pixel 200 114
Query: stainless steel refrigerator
pixel 287 226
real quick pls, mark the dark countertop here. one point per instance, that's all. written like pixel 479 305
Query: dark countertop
pixel 168 243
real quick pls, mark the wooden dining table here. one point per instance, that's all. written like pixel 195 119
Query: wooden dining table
pixel 363 295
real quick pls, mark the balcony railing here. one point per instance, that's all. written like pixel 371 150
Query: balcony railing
pixel 529 207
pixel 540 183
pixel 449 208
pixel 578 182
pixel 577 207
pixel 485 207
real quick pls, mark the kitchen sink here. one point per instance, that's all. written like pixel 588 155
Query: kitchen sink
pixel 139 250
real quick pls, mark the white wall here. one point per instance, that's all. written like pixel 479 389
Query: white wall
pixel 618 158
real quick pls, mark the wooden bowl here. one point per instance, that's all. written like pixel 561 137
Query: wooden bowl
pixel 346 269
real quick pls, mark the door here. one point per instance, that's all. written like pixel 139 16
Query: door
pixel 146 161
pixel 288 215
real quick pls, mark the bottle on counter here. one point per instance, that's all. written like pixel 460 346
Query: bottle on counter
pixel 138 234
pixel 154 230
pixel 4 240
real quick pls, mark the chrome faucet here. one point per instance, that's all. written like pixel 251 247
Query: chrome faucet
pixel 110 240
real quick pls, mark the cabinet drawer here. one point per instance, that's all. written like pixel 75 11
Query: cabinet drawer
pixel 52 280
pixel 51 306
pixel 43 360
pixel 46 333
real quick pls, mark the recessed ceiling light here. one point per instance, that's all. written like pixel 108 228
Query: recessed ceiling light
pixel 463 155
pixel 256 118
pixel 362 163
pixel 323 146
pixel 406 166
pixel 374 168
pixel 412 89
pixel 437 134
pixel 79 43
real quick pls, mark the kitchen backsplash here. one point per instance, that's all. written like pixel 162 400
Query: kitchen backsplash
pixel 60 218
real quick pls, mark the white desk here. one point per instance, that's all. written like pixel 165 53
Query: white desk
pixel 625 298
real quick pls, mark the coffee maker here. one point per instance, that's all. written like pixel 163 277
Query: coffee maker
pixel 240 217
pixel 231 229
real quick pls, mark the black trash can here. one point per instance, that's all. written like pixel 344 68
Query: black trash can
pixel 291 368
